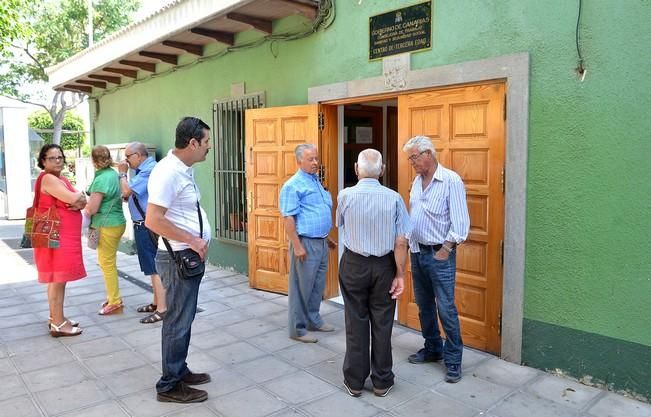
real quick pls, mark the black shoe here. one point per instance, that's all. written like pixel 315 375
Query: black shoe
pixel 454 374
pixel 352 392
pixel 182 393
pixel 422 357
pixel 382 392
pixel 196 379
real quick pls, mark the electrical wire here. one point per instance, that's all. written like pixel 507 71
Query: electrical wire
pixel 580 68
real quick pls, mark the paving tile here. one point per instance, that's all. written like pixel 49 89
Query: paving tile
pixel 473 358
pixel 264 368
pixel 212 307
pixel 115 362
pixel 202 362
pixel 289 412
pixel 7 367
pixel 273 341
pixel 220 273
pixel 56 376
pixel 612 405
pixel 31 361
pixel 282 300
pixel 305 354
pixel 98 347
pixel 225 380
pixel 250 328
pixel 24 332
pixel 402 391
pixel 262 308
pixel 194 411
pixel 89 333
pixel 236 352
pixel 266 295
pixel 144 404
pixel 426 375
pixel 240 300
pixel 253 402
pixel 423 405
pixel 39 344
pixel 105 409
pixel 212 339
pixel 144 335
pixel 60 400
pixel 409 340
pixel 132 381
pixel 329 370
pixel 279 319
pixel 505 373
pixel 563 391
pixel 12 386
pixel 299 387
pixel 524 404
pixel 227 292
pixel 339 404
pixel 227 318
pixel 334 341
pixel 151 353
pixel 474 391
pixel 19 407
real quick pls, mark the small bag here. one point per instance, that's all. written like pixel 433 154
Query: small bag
pixel 188 262
pixel 41 229
pixel 93 237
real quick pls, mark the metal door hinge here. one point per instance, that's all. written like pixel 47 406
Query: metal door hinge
pixel 502 179
pixel 321 121
pixel 501 252
pixel 499 324
pixel 504 110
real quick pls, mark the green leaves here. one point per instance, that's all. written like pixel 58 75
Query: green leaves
pixel 41 119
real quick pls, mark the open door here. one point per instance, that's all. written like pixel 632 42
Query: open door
pixel 466 125
pixel 272 134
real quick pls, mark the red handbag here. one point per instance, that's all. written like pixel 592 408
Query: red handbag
pixel 41 228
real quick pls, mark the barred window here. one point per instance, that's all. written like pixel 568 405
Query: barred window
pixel 230 171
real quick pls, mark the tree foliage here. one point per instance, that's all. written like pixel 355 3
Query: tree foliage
pixel 45 33
pixel 10 29
pixel 41 119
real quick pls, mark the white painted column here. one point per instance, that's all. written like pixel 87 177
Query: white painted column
pixel 19 190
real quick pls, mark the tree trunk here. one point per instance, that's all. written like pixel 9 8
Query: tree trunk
pixel 57 127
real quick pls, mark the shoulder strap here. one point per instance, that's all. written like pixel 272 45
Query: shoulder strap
pixel 200 220
pixel 138 206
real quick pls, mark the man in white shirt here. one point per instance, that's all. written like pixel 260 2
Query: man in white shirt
pixel 439 222
pixel 174 213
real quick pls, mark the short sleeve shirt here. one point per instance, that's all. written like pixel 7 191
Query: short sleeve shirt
pixel 304 198
pixel 110 213
pixel 138 186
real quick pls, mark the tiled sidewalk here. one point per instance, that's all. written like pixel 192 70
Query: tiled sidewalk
pixel 240 337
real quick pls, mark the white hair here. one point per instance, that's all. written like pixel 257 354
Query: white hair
pixel 369 163
pixel 298 151
pixel 421 143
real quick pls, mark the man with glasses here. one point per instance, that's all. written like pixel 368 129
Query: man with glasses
pixel 306 208
pixel 134 190
pixel 174 213
pixel 439 223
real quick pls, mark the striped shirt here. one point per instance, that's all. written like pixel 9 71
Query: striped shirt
pixel 304 198
pixel 439 213
pixel 371 216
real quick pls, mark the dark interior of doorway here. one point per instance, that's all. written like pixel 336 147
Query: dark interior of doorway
pixel 371 125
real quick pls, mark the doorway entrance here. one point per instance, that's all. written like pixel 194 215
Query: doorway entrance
pixel 466 125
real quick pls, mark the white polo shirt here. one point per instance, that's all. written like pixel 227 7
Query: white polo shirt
pixel 171 185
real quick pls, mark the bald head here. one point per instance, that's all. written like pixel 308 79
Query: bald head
pixel 137 147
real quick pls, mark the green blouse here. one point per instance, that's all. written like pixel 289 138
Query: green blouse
pixel 110 212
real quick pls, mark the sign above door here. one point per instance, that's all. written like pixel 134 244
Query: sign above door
pixel 399 31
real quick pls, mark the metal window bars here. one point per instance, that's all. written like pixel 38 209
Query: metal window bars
pixel 230 168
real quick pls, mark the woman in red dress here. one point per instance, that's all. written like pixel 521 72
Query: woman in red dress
pixel 58 266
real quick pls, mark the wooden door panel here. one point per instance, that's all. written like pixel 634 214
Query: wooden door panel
pixel 271 136
pixel 466 126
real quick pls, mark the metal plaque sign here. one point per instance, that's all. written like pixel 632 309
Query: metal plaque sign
pixel 402 30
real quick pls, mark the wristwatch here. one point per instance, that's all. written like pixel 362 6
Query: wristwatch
pixel 123 175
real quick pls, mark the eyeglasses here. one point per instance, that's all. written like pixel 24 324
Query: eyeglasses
pixel 54 158
pixel 413 158
pixel 127 156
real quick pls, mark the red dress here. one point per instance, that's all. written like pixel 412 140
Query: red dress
pixel 65 263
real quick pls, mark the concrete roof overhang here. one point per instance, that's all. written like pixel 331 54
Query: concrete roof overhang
pixel 181 27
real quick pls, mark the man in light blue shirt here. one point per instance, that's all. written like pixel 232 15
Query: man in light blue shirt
pixel 306 208
pixel 439 222
pixel 135 190
pixel 374 224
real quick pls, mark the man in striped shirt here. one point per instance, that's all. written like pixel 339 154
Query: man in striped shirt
pixel 306 208
pixel 374 224
pixel 439 222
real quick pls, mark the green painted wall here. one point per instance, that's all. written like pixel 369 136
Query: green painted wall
pixel 587 252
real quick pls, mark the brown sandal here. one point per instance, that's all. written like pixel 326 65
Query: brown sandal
pixel 155 317
pixel 149 308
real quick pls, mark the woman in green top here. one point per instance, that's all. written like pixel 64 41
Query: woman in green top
pixel 105 208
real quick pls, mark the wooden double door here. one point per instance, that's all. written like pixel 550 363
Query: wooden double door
pixel 466 125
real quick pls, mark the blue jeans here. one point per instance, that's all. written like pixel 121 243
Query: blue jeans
pixel 434 291
pixel 182 297
pixel 307 281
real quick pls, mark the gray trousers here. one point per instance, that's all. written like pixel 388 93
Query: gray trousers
pixel 307 281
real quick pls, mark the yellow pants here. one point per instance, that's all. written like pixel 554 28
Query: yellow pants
pixel 107 249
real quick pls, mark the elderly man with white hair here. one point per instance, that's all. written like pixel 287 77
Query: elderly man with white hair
pixel 374 224
pixel 439 222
